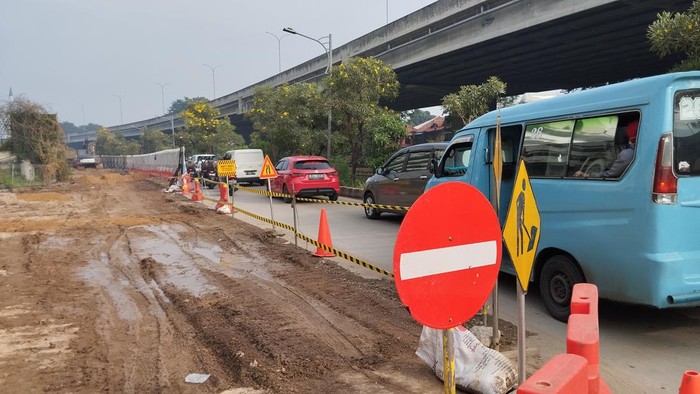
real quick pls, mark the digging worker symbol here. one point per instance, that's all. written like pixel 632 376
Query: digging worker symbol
pixel 522 226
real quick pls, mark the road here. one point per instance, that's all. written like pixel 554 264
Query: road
pixel 643 350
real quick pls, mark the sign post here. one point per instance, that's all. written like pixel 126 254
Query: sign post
pixel 521 234
pixel 268 172
pixel 446 259
pixel 496 202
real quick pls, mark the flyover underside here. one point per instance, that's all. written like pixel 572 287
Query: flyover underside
pixel 591 48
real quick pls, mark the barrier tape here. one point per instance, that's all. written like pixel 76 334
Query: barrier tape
pixel 354 204
pixel 299 235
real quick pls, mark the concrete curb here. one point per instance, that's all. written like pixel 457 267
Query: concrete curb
pixel 351 192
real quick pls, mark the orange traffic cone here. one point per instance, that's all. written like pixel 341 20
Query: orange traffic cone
pixel 324 237
pixel 690 383
pixel 185 184
pixel 197 196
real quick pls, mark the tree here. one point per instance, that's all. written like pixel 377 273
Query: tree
pixel 355 89
pixel 289 120
pixel 206 131
pixel 473 100
pixel 679 32
pixel 36 136
pixel 416 116
pixel 387 132
pixel 179 105
pixel 154 141
pixel 108 142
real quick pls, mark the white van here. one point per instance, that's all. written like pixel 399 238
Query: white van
pixel 249 162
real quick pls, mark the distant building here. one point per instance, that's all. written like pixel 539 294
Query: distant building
pixel 429 131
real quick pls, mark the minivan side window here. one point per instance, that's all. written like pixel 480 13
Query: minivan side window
pixel 593 147
pixel 546 148
pixel 561 148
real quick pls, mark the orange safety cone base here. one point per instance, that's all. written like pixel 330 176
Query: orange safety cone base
pixel 690 384
pixel 223 196
pixel 324 237
pixel 197 196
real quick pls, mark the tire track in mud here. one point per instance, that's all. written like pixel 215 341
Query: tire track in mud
pixel 261 326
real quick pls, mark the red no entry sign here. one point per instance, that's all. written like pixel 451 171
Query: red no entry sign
pixel 447 255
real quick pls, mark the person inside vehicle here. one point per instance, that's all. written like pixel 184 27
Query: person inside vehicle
pixel 624 158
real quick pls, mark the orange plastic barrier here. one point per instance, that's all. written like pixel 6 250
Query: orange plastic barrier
pixel 324 237
pixel 582 335
pixel 562 374
pixel 690 384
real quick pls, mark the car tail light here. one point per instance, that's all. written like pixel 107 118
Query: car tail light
pixel 297 174
pixel 665 182
pixel 334 173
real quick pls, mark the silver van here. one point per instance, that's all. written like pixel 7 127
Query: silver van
pixel 249 162
pixel 402 178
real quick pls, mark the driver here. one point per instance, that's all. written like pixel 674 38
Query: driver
pixel 624 158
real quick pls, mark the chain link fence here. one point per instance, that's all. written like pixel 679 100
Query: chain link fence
pixel 24 174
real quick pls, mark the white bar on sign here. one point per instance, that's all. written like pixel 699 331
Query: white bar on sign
pixel 444 260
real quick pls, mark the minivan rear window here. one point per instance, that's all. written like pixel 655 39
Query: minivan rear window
pixel 686 132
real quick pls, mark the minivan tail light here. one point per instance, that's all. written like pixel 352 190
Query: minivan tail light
pixel 665 182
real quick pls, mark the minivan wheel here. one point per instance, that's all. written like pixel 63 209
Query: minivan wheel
pixel 371 212
pixel 285 192
pixel 557 279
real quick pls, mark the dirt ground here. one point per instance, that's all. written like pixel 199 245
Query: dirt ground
pixel 108 284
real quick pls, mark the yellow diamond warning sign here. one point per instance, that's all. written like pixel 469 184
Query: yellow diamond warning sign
pixel 268 170
pixel 522 229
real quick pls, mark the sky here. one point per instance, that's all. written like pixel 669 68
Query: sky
pixel 100 62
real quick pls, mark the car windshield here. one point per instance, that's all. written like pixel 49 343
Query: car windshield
pixel 312 165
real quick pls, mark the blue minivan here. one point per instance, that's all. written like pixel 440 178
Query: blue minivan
pixel 637 235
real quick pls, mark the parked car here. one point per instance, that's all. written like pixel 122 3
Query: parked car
pixel 306 176
pixel 85 161
pixel 402 178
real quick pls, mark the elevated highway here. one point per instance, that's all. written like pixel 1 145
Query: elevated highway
pixel 532 45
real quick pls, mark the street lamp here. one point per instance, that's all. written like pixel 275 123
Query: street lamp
pixel 279 48
pixel 329 53
pixel 121 109
pixel 162 94
pixel 213 77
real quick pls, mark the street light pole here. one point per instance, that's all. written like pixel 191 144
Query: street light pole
pixel 121 109
pixel 279 48
pixel 162 94
pixel 329 52
pixel 213 76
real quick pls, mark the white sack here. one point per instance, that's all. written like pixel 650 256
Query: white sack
pixel 478 369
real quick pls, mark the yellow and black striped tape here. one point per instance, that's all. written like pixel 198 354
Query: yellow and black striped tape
pixel 317 244
pixel 303 237
pixel 354 204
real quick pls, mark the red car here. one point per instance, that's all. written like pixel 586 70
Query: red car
pixel 306 176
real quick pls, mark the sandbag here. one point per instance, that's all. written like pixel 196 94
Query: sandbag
pixel 478 369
